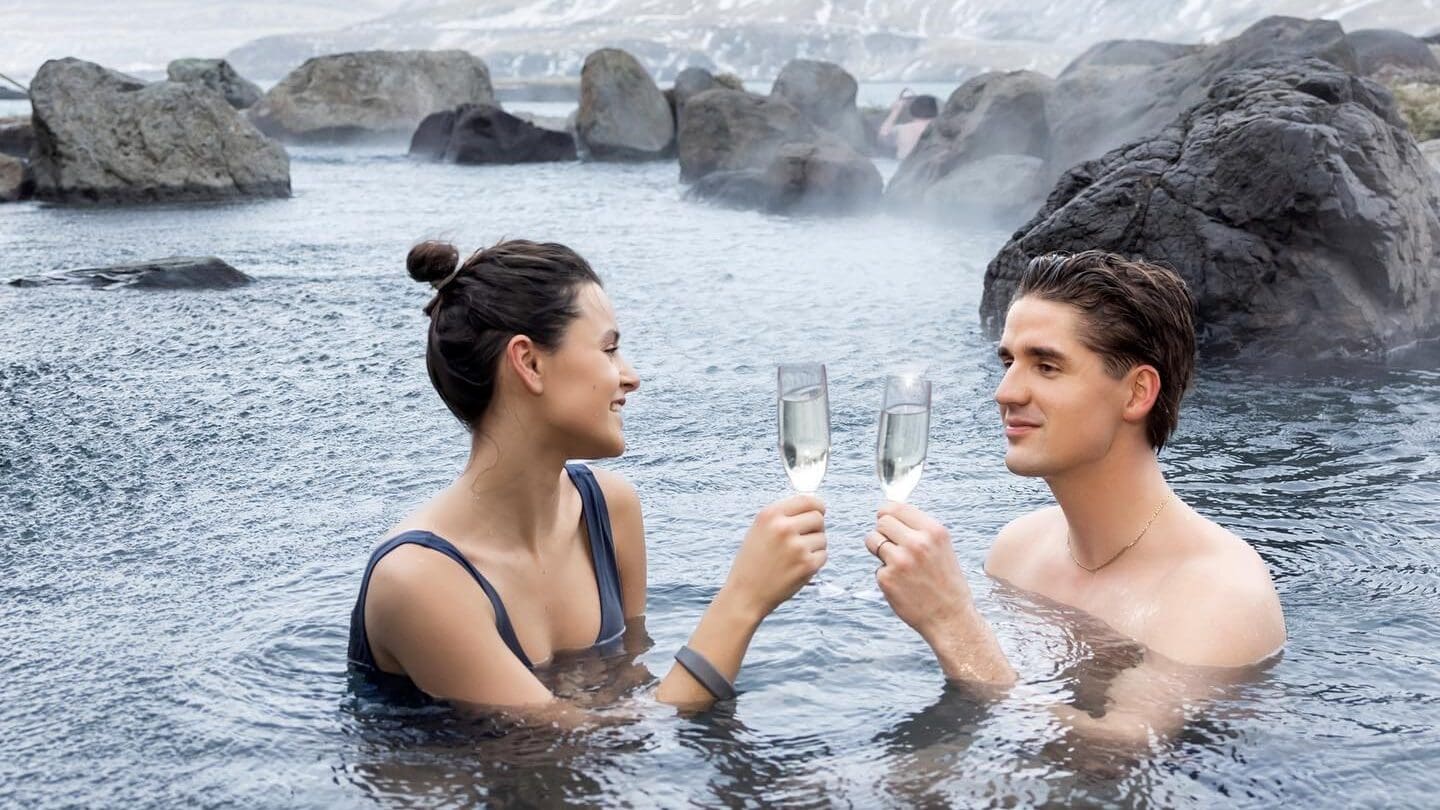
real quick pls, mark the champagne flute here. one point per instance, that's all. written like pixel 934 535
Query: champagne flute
pixel 904 434
pixel 804 421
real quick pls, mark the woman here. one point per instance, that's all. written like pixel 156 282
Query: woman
pixel 524 555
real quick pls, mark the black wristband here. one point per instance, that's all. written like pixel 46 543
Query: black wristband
pixel 714 683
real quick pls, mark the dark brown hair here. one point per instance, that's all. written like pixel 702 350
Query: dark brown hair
pixel 1133 313
pixel 515 288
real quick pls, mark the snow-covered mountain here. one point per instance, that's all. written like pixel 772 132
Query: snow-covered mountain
pixel 875 39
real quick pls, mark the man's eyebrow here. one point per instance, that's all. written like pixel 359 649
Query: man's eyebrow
pixel 1046 353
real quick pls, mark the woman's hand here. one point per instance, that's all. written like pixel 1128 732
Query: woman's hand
pixel 781 552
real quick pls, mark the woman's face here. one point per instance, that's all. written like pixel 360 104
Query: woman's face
pixel 587 380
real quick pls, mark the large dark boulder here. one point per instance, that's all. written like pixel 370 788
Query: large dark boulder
pixel 1095 109
pixel 692 81
pixel 984 157
pixel 731 130
pixel 175 273
pixel 481 134
pixel 824 93
pixel 104 137
pixel 1129 52
pixel 17 135
pixel 622 115
pixel 1291 199
pixel 1382 52
pixel 217 75
pixel 370 95
pixel 15 181
pixel 802 178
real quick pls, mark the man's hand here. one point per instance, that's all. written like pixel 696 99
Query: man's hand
pixel 920 576
pixel 922 580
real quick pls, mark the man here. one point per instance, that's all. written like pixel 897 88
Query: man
pixel 1098 351
pixel 903 137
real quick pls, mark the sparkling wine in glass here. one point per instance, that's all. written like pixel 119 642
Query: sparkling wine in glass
pixel 904 434
pixel 804 413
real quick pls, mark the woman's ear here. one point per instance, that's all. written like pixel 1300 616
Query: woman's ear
pixel 523 358
pixel 1144 384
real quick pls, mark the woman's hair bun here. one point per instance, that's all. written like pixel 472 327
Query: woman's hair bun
pixel 432 261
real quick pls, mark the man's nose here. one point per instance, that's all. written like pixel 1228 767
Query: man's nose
pixel 1010 391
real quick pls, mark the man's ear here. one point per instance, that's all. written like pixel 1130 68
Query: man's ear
pixel 523 358
pixel 1144 387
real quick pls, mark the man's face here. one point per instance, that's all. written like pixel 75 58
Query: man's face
pixel 1061 409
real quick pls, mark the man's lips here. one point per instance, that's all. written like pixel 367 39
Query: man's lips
pixel 1019 427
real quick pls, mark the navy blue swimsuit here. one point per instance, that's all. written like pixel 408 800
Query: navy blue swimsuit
pixel 602 555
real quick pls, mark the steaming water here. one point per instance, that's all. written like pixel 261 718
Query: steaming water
pixel 190 484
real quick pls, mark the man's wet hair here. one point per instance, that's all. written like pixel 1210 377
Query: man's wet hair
pixel 924 107
pixel 1133 313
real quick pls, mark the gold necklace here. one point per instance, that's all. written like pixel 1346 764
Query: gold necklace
pixel 1069 544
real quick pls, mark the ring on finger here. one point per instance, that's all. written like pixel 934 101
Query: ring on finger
pixel 877 550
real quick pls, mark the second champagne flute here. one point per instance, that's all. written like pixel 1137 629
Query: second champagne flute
pixel 804 422
pixel 904 434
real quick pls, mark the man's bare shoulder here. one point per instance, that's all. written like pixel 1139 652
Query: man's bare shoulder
pixel 1014 545
pixel 1220 608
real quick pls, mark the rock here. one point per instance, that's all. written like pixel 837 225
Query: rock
pixel 1419 104
pixel 1312 230
pixel 825 94
pixel 104 137
pixel 825 178
pixel 998 191
pixel 690 82
pixel 1381 51
pixel 622 115
pixel 17 135
pixel 217 75
pixel 176 273
pixel 991 115
pixel 1095 109
pixel 1129 52
pixel 15 181
pixel 1431 151
pixel 480 134
pixel 731 130
pixel 370 95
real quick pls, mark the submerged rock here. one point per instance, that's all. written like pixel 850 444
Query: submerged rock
pixel 479 134
pixel 623 115
pixel 824 93
pixel 176 273
pixel 802 178
pixel 370 94
pixel 104 137
pixel 217 75
pixel 1312 230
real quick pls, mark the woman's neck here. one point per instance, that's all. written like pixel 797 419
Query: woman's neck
pixel 514 481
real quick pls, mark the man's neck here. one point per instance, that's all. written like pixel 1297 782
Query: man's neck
pixel 1108 504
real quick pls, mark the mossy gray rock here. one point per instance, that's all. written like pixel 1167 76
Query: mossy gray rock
pixel 105 137
pixel 217 75
pixel 370 94
pixel 623 115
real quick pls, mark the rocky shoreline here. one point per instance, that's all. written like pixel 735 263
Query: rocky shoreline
pixel 1284 172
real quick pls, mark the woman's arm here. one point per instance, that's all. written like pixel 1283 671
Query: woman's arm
pixel 416 593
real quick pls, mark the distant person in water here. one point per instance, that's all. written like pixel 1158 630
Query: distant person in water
pixel 903 134
pixel 525 555
pixel 1097 351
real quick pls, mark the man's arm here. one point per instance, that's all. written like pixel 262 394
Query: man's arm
pixel 922 580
